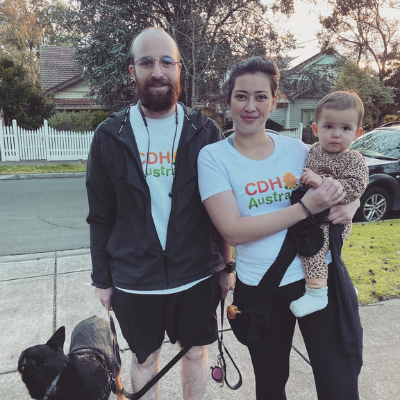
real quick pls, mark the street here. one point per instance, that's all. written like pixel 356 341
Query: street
pixel 43 215
pixel 40 215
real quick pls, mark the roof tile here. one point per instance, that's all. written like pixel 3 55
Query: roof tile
pixel 57 65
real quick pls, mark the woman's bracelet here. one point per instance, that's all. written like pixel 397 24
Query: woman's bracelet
pixel 306 209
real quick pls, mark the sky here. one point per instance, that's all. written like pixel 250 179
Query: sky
pixel 304 24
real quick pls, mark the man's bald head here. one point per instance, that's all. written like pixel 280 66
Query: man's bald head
pixel 151 34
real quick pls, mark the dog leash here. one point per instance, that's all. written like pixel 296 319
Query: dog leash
pixel 155 379
pixel 218 372
pixel 51 387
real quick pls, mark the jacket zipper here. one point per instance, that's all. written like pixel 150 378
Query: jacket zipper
pixel 166 267
pixel 148 193
pixel 173 195
pixel 172 189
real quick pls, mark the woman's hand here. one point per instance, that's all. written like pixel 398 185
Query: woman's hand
pixel 327 195
pixel 343 213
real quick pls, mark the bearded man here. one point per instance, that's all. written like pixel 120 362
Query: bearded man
pixel 157 259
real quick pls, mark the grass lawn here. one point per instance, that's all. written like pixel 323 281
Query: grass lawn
pixel 40 169
pixel 372 257
pixel 371 254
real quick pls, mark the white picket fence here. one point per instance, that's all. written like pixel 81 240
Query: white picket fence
pixel 296 133
pixel 45 143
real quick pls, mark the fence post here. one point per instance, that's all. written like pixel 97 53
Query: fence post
pixel 16 139
pixel 2 147
pixel 46 139
pixel 301 131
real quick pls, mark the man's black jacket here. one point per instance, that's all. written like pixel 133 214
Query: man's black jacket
pixel 125 248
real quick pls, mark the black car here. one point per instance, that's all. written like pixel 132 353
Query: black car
pixel 391 123
pixel 381 149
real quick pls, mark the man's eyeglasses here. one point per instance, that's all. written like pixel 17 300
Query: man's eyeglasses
pixel 147 62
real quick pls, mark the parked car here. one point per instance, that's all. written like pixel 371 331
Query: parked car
pixel 391 123
pixel 381 149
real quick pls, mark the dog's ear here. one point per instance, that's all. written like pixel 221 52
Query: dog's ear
pixel 56 342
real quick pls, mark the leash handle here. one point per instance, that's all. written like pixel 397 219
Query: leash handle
pixel 221 357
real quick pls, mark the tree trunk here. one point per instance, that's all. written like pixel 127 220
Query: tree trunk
pixel 193 93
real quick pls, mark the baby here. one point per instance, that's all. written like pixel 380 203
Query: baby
pixel 338 119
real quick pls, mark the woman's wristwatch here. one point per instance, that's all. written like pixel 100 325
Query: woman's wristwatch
pixel 230 267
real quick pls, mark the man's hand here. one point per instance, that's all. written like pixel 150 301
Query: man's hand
pixel 342 213
pixel 104 295
pixel 309 177
pixel 227 282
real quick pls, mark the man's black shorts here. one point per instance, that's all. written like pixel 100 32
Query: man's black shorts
pixel 144 318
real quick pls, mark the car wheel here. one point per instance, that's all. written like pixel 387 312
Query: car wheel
pixel 375 205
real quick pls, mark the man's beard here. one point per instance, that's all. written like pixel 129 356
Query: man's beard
pixel 158 101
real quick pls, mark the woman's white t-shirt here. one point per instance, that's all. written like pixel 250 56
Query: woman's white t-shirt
pixel 260 187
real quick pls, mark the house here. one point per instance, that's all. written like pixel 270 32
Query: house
pixel 61 75
pixel 303 85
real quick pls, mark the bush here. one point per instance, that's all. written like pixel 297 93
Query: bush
pixel 214 115
pixel 77 121
pixel 98 117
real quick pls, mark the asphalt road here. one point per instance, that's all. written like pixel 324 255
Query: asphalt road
pixel 41 215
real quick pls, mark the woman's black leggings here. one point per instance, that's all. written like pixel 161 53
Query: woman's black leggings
pixel 335 372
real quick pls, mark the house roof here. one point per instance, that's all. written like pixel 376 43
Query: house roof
pixel 301 62
pixel 57 66
pixel 304 57
pixel 322 61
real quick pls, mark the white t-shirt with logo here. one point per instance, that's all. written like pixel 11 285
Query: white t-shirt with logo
pixel 161 161
pixel 260 187
pixel 158 142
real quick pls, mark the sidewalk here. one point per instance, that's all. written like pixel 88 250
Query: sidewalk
pixel 41 292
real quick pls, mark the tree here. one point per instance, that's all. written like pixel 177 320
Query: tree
pixel 210 35
pixel 25 25
pixel 361 28
pixel 20 99
pixel 391 112
pixel 372 92
pixel 310 81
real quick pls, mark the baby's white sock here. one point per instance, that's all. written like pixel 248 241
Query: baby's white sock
pixel 312 300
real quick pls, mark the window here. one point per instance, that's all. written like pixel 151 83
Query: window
pixel 307 118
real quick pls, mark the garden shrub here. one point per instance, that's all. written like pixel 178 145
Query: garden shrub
pixel 77 121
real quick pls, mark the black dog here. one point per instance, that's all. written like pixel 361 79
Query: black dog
pixel 89 372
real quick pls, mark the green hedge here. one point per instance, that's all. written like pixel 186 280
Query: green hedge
pixel 78 121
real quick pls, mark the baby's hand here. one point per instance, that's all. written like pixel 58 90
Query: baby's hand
pixel 309 177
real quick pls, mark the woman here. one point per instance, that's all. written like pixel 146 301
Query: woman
pixel 245 183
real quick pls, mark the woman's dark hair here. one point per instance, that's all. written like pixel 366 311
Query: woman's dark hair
pixel 251 65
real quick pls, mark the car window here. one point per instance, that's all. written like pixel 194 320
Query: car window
pixel 383 142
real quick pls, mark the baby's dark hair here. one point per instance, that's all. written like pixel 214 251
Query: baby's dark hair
pixel 251 65
pixel 339 101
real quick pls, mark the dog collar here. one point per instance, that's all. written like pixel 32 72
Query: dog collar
pixel 51 387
